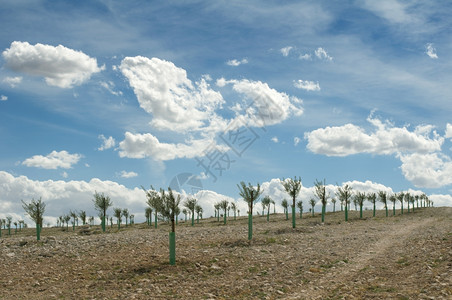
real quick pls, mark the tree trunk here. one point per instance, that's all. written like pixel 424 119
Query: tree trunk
pixel 346 213
pixel 38 232
pixel 361 211
pixel 323 212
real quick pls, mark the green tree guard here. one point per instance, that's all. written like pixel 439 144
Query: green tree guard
pixel 172 248
pixel 250 226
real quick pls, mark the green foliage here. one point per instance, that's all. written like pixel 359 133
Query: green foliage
pixel 35 209
pixel 344 194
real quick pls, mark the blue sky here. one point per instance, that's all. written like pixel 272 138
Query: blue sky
pixel 111 95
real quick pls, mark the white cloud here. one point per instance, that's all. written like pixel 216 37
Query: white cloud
pixel 322 54
pixel 351 139
pixel 60 66
pixel 305 56
pixel 430 170
pixel 107 143
pixel 430 51
pixel 53 160
pixel 268 106
pixel 64 175
pixel 147 145
pixel 163 90
pixel 286 50
pixel 109 86
pixel 178 105
pixel 61 196
pixel 275 139
pixel 448 133
pixel 393 11
pixel 13 81
pixel 125 174
pixel 236 63
pixel 296 140
pixel 3 98
pixel 441 200
pixel 307 85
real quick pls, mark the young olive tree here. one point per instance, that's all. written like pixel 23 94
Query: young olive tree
pixel 35 209
pixel 300 208
pixel 234 209
pixel 154 202
pixel 393 199
pixel 82 216
pixel 383 196
pixel 148 215
pixel 101 204
pixel 320 192
pixel 344 194
pixel 118 214
pixel 292 187
pixel 125 213
pixel 224 204
pixel 169 206
pixel 74 216
pixel 372 198
pixel 312 202
pixel 198 210
pixel 190 204
pixel 334 204
pixel 285 205
pixel 360 198
pixel 250 195
pixel 266 203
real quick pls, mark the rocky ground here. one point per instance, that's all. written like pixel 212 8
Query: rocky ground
pixel 403 257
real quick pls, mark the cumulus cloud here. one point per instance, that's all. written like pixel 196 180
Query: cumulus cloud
pixel 351 139
pixel 431 170
pixel 60 196
pixel 305 56
pixel 307 85
pixel 267 105
pixel 321 53
pixel 53 160
pixel 13 81
pixel 236 63
pixel 125 174
pixel 430 51
pixel 286 50
pixel 275 139
pixel 163 90
pixel 448 133
pixel 147 145
pixel 60 66
pixel 3 98
pixel 107 143
pixel 296 140
pixel 179 105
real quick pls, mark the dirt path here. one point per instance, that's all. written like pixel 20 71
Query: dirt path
pixel 376 252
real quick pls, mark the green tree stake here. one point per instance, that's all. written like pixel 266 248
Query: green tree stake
pixel 172 248
pixel 38 232
pixel 250 226
pixel 293 216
